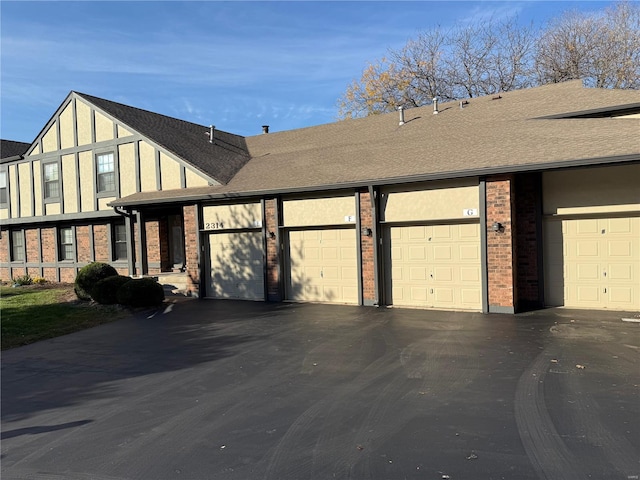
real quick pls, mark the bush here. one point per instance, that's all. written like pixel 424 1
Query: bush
pixel 23 280
pixel 89 275
pixel 140 292
pixel 105 290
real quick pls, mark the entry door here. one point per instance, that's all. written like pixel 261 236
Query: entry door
pixel 592 263
pixel 435 266
pixel 236 266
pixel 322 266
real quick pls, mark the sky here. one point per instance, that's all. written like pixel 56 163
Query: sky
pixel 237 65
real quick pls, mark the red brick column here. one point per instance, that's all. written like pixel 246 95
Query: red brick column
pixel 366 244
pixel 501 244
pixel 273 258
pixel 191 245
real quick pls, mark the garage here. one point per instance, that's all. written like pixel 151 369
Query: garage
pixel 592 238
pixel 431 247
pixel 234 250
pixel 321 250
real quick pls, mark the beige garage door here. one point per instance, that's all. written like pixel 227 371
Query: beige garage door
pixel 436 266
pixel 236 266
pixel 322 266
pixel 592 263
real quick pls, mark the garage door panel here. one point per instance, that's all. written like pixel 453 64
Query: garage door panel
pixel 593 263
pixel 432 265
pixel 236 266
pixel 327 260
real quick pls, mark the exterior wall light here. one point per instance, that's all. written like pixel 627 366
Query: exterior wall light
pixel 496 227
pixel 367 232
pixel 272 234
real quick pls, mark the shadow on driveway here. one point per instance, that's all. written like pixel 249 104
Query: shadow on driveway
pixel 242 390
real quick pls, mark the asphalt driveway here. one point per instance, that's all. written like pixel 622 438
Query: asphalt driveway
pixel 241 390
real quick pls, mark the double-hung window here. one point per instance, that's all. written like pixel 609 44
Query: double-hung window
pixel 3 188
pixel 51 181
pixel 67 250
pixel 17 246
pixel 119 233
pixel 106 174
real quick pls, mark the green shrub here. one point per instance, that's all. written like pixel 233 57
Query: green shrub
pixel 89 275
pixel 23 280
pixel 140 292
pixel 105 290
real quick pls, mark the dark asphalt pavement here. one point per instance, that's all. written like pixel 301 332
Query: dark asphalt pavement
pixel 243 391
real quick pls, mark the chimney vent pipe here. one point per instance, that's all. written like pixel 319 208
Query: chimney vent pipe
pixel 435 105
pixel 265 128
pixel 212 130
pixel 401 111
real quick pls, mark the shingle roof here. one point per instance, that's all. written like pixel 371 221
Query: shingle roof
pixel 11 148
pixel 187 140
pixel 487 136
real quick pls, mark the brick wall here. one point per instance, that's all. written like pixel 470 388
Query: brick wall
pixel 101 243
pixel 501 245
pixel 163 249
pixel 32 245
pixel 271 224
pixel 85 254
pixel 528 201
pixel 48 238
pixel 68 275
pixel 153 240
pixel 366 243
pixel 192 255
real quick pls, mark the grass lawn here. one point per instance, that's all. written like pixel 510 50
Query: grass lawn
pixel 35 312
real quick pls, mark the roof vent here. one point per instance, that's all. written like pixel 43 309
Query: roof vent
pixel 211 133
pixel 435 105
pixel 265 128
pixel 401 111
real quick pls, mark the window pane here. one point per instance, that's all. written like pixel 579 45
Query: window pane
pixel 66 236
pixel 105 163
pixel 50 172
pixel 106 182
pixel 51 189
pixel 3 195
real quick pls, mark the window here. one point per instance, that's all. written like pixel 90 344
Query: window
pixel 67 251
pixel 17 246
pixel 51 181
pixel 119 241
pixel 3 187
pixel 106 173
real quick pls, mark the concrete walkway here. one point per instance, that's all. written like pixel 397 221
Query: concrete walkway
pixel 241 390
